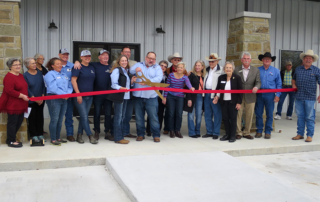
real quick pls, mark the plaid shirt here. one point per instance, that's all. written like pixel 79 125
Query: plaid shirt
pixel 287 78
pixel 306 82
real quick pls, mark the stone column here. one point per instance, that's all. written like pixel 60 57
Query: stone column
pixel 248 31
pixel 10 46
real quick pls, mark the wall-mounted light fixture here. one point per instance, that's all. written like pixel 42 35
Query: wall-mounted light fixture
pixel 159 30
pixel 52 25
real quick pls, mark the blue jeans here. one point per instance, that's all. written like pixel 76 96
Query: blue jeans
pixel 119 114
pixel 212 111
pixel 151 106
pixel 197 109
pixel 98 102
pixel 306 116
pixel 264 100
pixel 291 101
pixel 57 110
pixel 83 110
pixel 128 116
pixel 69 115
pixel 175 109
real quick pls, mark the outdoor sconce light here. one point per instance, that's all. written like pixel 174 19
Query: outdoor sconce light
pixel 159 30
pixel 52 25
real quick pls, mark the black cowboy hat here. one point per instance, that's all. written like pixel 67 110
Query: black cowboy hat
pixel 267 54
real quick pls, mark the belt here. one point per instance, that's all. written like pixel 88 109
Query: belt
pixel 287 85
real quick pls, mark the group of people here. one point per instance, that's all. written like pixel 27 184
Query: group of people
pixel 61 77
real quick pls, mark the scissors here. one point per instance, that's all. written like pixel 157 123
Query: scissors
pixel 151 84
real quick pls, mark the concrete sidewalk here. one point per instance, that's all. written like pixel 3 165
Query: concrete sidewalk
pixel 73 154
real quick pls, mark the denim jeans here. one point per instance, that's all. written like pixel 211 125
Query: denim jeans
pixel 175 109
pixel 264 100
pixel 197 109
pixel 306 116
pixel 69 115
pixel 57 109
pixel 151 106
pixel 83 110
pixel 119 114
pixel 212 111
pixel 98 102
pixel 291 101
pixel 128 116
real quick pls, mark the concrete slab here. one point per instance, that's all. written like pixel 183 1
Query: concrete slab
pixel 68 184
pixel 208 176
pixel 299 170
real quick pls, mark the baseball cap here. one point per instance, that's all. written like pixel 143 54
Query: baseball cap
pixel 104 51
pixel 85 53
pixel 288 63
pixel 63 51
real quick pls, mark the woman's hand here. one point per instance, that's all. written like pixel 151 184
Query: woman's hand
pixel 215 100
pixel 123 88
pixel 24 97
pixel 39 102
pixel 192 89
pixel 189 103
pixel 238 106
pixel 79 99
pixel 133 79
pixel 164 101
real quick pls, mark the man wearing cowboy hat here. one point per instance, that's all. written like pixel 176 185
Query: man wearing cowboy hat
pixel 305 80
pixel 286 77
pixel 270 79
pixel 174 59
pixel 212 110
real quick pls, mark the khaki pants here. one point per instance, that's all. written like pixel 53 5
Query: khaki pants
pixel 249 110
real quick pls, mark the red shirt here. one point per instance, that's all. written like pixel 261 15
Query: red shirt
pixel 10 102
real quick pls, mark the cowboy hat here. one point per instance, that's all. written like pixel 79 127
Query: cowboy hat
pixel 267 54
pixel 213 57
pixel 175 55
pixel 309 53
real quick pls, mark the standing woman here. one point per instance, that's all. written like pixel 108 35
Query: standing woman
pixel 36 88
pixel 57 84
pixel 82 81
pixel 39 61
pixel 120 80
pixel 194 102
pixel 175 99
pixel 230 102
pixel 14 100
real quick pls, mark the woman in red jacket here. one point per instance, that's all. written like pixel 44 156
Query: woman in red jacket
pixel 14 100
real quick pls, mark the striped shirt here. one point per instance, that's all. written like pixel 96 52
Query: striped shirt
pixel 177 83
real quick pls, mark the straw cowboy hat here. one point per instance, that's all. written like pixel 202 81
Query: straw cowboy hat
pixel 175 55
pixel 213 57
pixel 309 53
pixel 267 54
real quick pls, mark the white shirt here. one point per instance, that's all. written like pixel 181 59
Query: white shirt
pixel 210 76
pixel 245 72
pixel 227 96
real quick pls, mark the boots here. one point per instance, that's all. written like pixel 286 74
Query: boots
pixel 172 134
pixel 96 135
pixel 92 139
pixel 79 139
pixel 178 134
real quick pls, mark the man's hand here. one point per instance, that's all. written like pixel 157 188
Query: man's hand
pixel 79 99
pixel 238 106
pixel 254 90
pixel 133 79
pixel 215 100
pixel 77 65
pixel 276 99
pixel 164 101
pixel 138 69
pixel 123 88
pixel 318 99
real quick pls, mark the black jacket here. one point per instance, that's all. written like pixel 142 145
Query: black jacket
pixel 195 82
pixel 236 84
pixel 282 74
pixel 118 97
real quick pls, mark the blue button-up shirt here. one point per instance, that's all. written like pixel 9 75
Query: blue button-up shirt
pixel 67 70
pixel 270 78
pixel 57 83
pixel 115 81
pixel 306 82
pixel 153 73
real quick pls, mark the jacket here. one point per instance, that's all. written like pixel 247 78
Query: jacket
pixel 216 74
pixel 195 81
pixel 118 97
pixel 236 84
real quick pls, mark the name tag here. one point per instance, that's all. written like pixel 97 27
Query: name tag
pixel 92 72
pixel 58 77
pixel 223 81
pixel 69 70
pixel 66 78
pixel 240 71
pixel 107 70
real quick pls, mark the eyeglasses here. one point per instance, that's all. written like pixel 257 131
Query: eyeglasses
pixel 16 65
pixel 164 66
pixel 40 58
pixel 151 58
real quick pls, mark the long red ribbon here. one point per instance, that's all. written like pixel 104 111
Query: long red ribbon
pixel 50 97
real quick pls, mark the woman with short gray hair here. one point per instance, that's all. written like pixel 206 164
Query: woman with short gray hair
pixel 39 61
pixel 36 88
pixel 14 100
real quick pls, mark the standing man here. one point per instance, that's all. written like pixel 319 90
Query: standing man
pixel 270 79
pixel 305 80
pixel 250 77
pixel 286 77
pixel 66 69
pixel 147 100
pixel 129 110
pixel 212 110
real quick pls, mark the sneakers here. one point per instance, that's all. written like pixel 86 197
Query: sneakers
pixel 79 139
pixel 289 117
pixel 92 139
pixel 62 141
pixel 40 137
pixel 55 143
pixel 277 117
pixel 35 138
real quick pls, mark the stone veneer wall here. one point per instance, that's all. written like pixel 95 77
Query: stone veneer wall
pixel 10 46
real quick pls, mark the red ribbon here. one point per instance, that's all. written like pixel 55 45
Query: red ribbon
pixel 51 97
